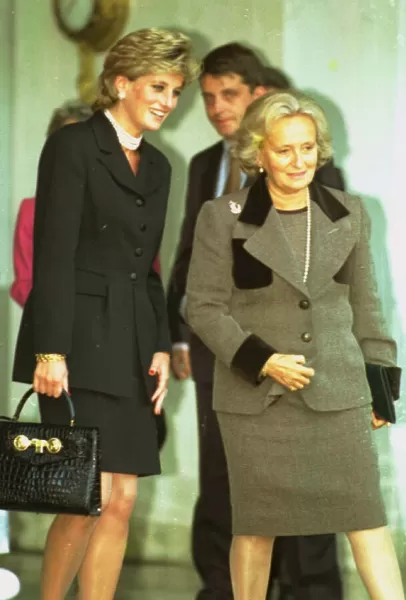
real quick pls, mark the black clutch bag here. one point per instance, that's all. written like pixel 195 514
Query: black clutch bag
pixel 384 383
pixel 49 468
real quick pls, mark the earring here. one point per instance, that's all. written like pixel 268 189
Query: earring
pixel 261 169
pixel 121 94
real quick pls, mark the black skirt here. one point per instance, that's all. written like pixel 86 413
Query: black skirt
pixel 128 426
pixel 128 433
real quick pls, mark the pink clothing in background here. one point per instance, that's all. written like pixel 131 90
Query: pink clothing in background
pixel 157 265
pixel 23 252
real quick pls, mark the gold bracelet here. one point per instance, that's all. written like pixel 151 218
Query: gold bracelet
pixel 48 358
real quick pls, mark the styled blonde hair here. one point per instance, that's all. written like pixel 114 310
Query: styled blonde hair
pixel 263 113
pixel 144 52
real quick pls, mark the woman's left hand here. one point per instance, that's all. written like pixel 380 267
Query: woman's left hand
pixel 377 422
pixel 160 368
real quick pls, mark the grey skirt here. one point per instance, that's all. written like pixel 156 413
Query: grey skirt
pixel 296 471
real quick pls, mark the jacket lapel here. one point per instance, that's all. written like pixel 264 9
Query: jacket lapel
pixel 267 243
pixel 113 158
pixel 333 237
pixel 270 245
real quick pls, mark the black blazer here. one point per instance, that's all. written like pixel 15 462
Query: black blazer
pixel 98 228
pixel 203 175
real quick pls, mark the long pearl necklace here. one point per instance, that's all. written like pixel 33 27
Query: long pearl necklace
pixel 126 140
pixel 308 237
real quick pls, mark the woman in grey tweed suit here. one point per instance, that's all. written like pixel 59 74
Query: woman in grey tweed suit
pixel 281 289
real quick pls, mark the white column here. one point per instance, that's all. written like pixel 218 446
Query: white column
pixel 6 20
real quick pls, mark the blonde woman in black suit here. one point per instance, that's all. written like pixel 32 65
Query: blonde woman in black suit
pixel 95 322
pixel 281 289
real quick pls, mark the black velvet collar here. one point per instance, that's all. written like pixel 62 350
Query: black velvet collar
pixel 328 203
pixel 259 203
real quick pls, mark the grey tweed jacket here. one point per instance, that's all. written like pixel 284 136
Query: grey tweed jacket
pixel 246 300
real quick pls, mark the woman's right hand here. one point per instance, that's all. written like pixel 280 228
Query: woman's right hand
pixel 289 370
pixel 51 378
pixel 180 363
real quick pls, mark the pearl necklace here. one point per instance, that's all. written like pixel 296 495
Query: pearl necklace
pixel 308 238
pixel 126 140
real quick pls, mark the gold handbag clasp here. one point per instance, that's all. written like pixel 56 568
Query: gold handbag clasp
pixel 22 443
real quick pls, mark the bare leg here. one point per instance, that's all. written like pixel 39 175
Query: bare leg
pixel 250 564
pixel 377 564
pixel 66 545
pixel 99 573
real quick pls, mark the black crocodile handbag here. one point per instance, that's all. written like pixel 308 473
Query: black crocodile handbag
pixel 49 468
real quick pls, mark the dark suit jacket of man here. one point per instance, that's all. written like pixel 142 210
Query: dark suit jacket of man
pixel 98 228
pixel 203 175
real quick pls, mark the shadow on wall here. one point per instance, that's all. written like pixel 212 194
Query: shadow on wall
pixel 391 445
pixel 390 451
pixel 337 124
pixel 377 213
pixel 342 150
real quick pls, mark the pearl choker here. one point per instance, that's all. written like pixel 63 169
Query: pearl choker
pixel 126 140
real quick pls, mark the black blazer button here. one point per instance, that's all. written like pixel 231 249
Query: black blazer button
pixel 133 276
pixel 306 337
pixel 138 252
pixel 143 227
pixel 304 304
pixel 139 202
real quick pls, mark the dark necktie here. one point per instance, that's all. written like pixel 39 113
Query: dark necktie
pixel 233 182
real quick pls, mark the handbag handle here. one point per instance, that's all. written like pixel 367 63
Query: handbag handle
pixel 29 393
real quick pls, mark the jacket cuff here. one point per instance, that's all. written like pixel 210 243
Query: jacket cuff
pixel 250 358
pixel 394 376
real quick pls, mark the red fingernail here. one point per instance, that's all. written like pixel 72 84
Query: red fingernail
pixel 151 372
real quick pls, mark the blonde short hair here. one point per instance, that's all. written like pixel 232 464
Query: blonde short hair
pixel 144 52
pixel 260 117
